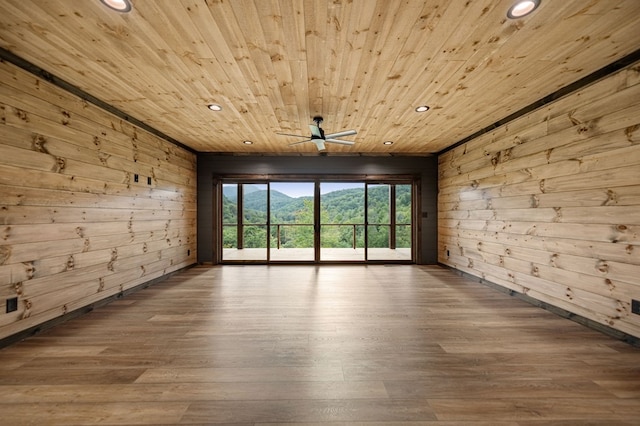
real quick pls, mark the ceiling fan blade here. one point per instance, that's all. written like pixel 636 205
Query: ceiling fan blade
pixel 298 143
pixel 341 142
pixel 289 134
pixel 320 144
pixel 315 131
pixel 340 134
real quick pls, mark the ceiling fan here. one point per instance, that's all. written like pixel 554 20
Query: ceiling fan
pixel 319 138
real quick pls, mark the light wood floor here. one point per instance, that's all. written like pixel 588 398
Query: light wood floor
pixel 320 345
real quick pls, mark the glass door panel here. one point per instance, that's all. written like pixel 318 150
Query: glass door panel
pixel 229 219
pixel 402 222
pixel 342 221
pixel 389 229
pixel 292 221
pixel 378 221
pixel 250 228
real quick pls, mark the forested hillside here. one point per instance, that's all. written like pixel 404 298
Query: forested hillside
pixel 344 207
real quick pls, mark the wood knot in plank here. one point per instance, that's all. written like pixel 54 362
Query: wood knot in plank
pixel 535 271
pixel 569 293
pixel 495 158
pixel 100 284
pixel 66 117
pixel 114 257
pixel 534 202
pixel 27 308
pixel 553 260
pixel 18 288
pixel 6 233
pixel 542 186
pixel 610 284
pixel 22 115
pixel 573 119
pixel 70 263
pixel 103 157
pixel 602 266
pixel 630 131
pixel 5 254
pixel 38 143
pixel 80 231
pixel 29 269
pixel 117 31
pixel 612 198
pixel 629 250
pixel 59 165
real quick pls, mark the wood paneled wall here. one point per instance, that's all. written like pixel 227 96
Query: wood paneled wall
pixel 76 226
pixel 549 205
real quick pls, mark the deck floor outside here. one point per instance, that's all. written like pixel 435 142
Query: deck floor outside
pixel 307 254
pixel 320 345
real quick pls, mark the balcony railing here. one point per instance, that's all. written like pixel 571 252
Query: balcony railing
pixel 354 229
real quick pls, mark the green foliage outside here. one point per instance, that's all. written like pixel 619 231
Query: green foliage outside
pixel 340 211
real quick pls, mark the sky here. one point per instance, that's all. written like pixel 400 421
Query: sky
pixel 302 189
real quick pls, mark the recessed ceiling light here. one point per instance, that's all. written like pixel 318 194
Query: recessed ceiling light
pixel 118 5
pixel 214 107
pixel 247 143
pixel 522 8
pixel 387 143
pixel 422 108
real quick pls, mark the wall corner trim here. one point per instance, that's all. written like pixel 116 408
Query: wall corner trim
pixel 10 57
pixel 603 72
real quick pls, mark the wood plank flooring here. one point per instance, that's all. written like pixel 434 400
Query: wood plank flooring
pixel 320 345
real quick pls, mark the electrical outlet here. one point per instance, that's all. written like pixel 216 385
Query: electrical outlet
pixel 635 306
pixel 135 178
pixel 447 253
pixel 148 181
pixel 12 304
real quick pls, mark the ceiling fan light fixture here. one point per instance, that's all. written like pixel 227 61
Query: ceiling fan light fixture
pixel 522 8
pixel 247 142
pixel 422 108
pixel 123 6
pixel 214 107
pixel 387 143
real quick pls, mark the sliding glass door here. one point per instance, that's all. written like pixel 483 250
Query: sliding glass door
pixel 316 221
pixel 388 222
pixel 244 222
pixel 342 221
pixel 292 221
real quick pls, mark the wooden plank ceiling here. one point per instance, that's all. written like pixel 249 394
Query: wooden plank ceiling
pixel 361 64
